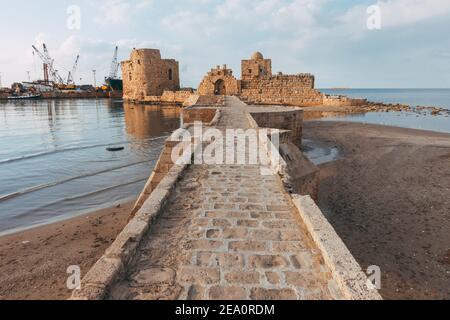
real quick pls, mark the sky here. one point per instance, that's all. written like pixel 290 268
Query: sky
pixel 328 38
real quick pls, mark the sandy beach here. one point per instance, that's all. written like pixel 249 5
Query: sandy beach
pixel 33 263
pixel 388 197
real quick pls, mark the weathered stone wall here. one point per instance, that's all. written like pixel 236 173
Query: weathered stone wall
pixel 287 120
pixel 282 89
pixel 146 74
pixel 298 173
pixel 192 100
pixel 210 85
pixel 211 100
pixel 177 97
pixel 339 101
pixel 205 115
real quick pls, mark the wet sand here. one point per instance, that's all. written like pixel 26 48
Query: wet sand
pixel 388 197
pixel 33 263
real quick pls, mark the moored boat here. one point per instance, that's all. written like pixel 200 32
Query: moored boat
pixel 25 97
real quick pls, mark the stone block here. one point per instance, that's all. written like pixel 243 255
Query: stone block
pixel 252 246
pixel 273 294
pixel 267 261
pixel 205 245
pixel 230 260
pixel 243 277
pixel 199 275
pixel 227 293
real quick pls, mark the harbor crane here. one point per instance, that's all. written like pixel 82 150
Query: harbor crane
pixel 70 77
pixel 112 83
pixel 114 65
pixel 45 61
pixel 50 74
pixel 54 73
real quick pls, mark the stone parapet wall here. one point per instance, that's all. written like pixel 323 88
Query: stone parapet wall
pixel 176 97
pixel 282 89
pixel 348 274
pixel 298 173
pixel 204 115
pixel 298 81
pixel 192 100
pixel 342 101
pixel 287 120
pixel 209 100
pixel 111 267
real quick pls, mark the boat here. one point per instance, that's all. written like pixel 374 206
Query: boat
pixel 114 84
pixel 25 97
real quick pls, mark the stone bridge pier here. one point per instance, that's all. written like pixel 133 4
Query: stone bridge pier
pixel 228 231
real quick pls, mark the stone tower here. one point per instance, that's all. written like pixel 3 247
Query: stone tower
pixel 146 74
pixel 256 67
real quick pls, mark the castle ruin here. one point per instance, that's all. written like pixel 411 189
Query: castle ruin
pixel 147 78
pixel 258 85
pixel 146 74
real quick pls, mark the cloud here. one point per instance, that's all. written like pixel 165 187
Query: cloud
pixel 404 12
pixel 190 23
pixel 114 12
pixel 245 17
pixel 326 37
pixel 396 13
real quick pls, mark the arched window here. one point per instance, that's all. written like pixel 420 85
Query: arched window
pixel 170 74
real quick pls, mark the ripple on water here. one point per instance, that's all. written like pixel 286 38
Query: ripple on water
pixel 53 160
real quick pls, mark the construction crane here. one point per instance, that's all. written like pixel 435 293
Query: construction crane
pixel 49 71
pixel 114 65
pixel 70 77
pixel 45 61
pixel 54 73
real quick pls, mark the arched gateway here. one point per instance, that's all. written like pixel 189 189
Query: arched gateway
pixel 219 88
pixel 219 81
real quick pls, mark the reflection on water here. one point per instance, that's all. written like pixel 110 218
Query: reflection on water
pixel 53 158
pixel 150 120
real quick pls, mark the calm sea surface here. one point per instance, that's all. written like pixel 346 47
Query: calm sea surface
pixel 412 97
pixel 54 163
pixel 53 158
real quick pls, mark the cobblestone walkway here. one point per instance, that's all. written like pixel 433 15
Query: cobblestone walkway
pixel 228 232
